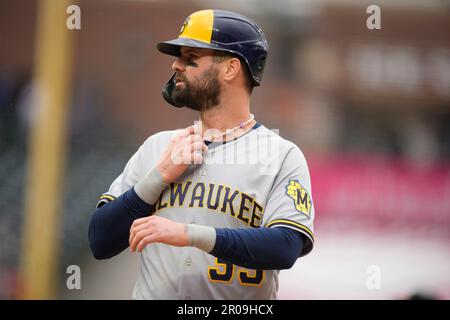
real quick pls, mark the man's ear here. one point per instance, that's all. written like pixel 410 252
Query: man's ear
pixel 233 67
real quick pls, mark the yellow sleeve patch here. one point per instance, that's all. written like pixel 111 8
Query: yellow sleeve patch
pixel 301 198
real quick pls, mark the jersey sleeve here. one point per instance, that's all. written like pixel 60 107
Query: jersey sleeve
pixel 127 179
pixel 289 203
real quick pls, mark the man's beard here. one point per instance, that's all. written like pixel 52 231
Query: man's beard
pixel 200 94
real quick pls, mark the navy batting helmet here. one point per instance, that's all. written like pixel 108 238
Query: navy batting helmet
pixel 223 31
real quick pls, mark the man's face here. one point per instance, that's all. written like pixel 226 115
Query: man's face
pixel 197 82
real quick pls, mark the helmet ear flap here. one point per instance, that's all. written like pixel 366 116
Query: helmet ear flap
pixel 167 92
pixel 261 62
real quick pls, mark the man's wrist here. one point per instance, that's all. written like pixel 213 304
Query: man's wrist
pixel 201 237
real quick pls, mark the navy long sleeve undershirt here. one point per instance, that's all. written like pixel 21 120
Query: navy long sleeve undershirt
pixel 109 228
pixel 259 248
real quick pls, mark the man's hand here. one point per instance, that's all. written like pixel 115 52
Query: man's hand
pixel 157 229
pixel 184 149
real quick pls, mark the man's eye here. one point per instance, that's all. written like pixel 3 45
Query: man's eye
pixel 190 60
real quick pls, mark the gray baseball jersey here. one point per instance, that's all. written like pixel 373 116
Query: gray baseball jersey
pixel 259 179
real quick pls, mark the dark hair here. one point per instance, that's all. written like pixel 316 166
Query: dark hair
pixel 220 56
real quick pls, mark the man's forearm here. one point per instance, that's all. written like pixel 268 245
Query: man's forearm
pixel 110 224
pixel 251 248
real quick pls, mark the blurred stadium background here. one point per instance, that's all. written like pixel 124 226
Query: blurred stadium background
pixel 369 108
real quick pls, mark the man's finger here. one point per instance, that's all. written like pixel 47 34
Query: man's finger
pixel 197 146
pixel 139 222
pixel 191 139
pixel 197 128
pixel 196 137
pixel 197 157
pixel 138 238
pixel 147 240
pixel 182 134
pixel 137 228
pixel 189 131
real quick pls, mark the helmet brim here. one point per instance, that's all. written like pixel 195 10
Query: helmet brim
pixel 173 47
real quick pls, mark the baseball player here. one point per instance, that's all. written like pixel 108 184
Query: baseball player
pixel 218 208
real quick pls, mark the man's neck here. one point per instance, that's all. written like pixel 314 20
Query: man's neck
pixel 222 118
pixel 231 111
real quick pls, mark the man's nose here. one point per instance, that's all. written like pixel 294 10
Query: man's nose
pixel 178 65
